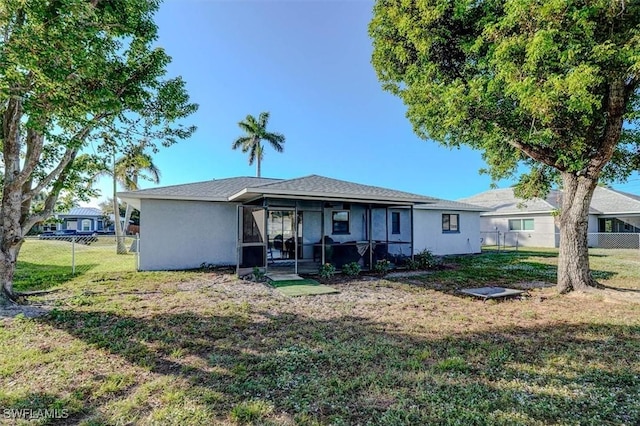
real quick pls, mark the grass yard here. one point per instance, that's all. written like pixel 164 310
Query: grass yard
pixel 196 348
pixel 47 263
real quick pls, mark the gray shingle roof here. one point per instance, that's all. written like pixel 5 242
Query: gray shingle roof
pixel 452 205
pixel 320 185
pixel 609 201
pixel 605 201
pixel 82 211
pixel 504 201
pixel 211 190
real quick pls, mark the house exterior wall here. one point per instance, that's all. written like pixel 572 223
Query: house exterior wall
pixel 356 223
pixel 428 233
pixel 76 223
pixel 544 233
pixel 592 229
pixel 185 234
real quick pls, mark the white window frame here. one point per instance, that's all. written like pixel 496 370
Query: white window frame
pixel 521 224
pixel 457 223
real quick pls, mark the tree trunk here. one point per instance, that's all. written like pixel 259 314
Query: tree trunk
pixel 7 269
pixel 258 171
pixel 573 259
pixel 127 218
pixel 11 206
pixel 120 247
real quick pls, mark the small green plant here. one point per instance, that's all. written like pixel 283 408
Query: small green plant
pixel 426 260
pixel 453 364
pixel 327 271
pixel 351 269
pixel 382 266
pixel 412 264
pixel 258 274
pixel 250 412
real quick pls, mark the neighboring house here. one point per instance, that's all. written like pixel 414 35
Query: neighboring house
pixel 532 222
pixel 85 219
pixel 263 222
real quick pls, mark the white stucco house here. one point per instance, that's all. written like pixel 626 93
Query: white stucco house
pixel 532 222
pixel 295 223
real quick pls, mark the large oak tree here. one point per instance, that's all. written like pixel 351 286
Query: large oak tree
pixel 72 71
pixel 551 84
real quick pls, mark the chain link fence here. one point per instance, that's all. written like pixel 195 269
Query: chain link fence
pixel 55 256
pixel 500 240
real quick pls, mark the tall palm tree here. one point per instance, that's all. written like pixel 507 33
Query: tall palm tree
pixel 255 132
pixel 126 171
pixel 133 166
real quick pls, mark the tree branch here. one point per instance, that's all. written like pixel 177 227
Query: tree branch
pixel 68 157
pixel 35 142
pixel 544 156
pixel 619 94
pixel 50 201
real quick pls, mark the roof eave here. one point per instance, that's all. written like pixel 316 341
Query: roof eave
pixel 134 196
pixel 251 193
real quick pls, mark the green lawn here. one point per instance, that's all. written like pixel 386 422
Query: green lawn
pixel 198 348
pixel 46 263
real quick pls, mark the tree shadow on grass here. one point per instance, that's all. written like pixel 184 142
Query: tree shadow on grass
pixel 519 270
pixel 38 276
pixel 350 370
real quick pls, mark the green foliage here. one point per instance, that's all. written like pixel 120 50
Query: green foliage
pixel 250 412
pixel 351 269
pixel 255 132
pixel 382 266
pixel 73 72
pixel 453 364
pixel 412 264
pixel 426 260
pixel 327 271
pixel 544 83
pixel 258 274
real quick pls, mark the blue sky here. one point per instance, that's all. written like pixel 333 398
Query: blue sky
pixel 308 64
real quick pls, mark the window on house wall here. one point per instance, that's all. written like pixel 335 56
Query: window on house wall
pixel 450 222
pixel 340 222
pixel 395 222
pixel 86 225
pixel 521 225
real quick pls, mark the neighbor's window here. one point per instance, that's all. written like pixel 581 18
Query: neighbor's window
pixel 340 222
pixel 86 225
pixel 450 222
pixel 520 224
pixel 395 222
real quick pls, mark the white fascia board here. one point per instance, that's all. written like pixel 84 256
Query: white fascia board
pixel 135 196
pixel 523 213
pixel 616 214
pixel 324 195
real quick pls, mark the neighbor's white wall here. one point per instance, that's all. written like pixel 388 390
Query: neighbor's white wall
pixel 543 234
pixel 185 234
pixel 592 229
pixel 428 233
